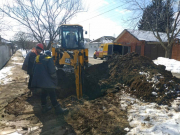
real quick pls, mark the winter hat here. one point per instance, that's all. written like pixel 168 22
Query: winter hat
pixel 40 46
pixel 47 52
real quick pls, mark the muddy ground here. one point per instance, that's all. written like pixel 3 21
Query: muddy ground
pixel 21 112
pixel 146 81
pixel 99 111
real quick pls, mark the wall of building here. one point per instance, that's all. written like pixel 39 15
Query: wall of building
pixel 176 52
pixel 153 50
pixel 5 55
pixel 126 39
pixel 92 48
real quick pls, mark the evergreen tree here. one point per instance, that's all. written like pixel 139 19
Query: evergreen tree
pixel 146 18
pixel 157 16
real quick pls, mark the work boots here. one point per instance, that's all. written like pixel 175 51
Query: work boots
pixel 59 110
pixel 45 108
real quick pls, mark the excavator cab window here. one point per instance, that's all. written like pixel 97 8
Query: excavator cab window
pixel 71 37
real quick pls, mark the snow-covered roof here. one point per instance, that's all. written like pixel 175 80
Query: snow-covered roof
pixel 147 35
pixel 104 39
pixel 5 41
pixel 87 40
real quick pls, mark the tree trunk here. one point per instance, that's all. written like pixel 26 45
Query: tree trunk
pixel 168 53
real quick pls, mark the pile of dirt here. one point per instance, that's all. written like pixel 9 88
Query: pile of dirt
pixel 66 84
pixel 100 116
pixel 147 81
pixel 105 115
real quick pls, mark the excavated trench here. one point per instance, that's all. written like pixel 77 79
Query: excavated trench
pixel 146 81
pixel 99 112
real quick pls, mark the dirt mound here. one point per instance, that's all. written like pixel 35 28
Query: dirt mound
pixel 146 80
pixel 66 84
pixel 100 116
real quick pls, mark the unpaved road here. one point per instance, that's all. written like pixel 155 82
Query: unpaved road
pixel 20 112
pixel 93 61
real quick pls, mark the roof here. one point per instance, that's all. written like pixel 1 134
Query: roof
pixel 87 39
pixel 5 41
pixel 144 35
pixel 107 38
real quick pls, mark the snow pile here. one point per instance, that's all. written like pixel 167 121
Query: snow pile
pixel 150 118
pixel 170 64
pixel 176 104
pixel 15 133
pixel 23 53
pixel 3 75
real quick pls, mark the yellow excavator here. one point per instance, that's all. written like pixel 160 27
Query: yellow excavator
pixel 71 50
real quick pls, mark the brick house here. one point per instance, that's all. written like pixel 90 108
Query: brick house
pixel 144 43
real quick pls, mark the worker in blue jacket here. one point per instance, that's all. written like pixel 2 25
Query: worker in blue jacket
pixel 44 77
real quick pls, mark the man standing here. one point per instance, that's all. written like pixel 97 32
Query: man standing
pixel 44 77
pixel 29 61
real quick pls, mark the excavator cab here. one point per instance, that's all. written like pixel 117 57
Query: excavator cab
pixel 71 37
pixel 71 51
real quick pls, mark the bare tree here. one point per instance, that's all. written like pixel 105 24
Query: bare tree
pixel 24 40
pixel 42 17
pixel 139 6
pixel 3 25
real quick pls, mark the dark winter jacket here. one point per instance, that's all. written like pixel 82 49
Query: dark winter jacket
pixel 44 72
pixel 32 56
pixel 25 63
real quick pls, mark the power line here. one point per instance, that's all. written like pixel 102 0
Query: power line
pixel 102 8
pixel 115 16
pixel 101 14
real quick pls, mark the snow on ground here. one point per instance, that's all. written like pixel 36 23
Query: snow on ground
pixel 170 64
pixel 23 53
pixel 144 118
pixel 18 63
pixel 6 71
pixel 14 58
pixel 15 133
pixel 3 75
pixel 150 118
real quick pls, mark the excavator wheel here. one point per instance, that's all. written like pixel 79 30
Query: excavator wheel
pixel 94 57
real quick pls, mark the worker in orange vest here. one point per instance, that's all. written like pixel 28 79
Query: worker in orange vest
pixel 29 61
